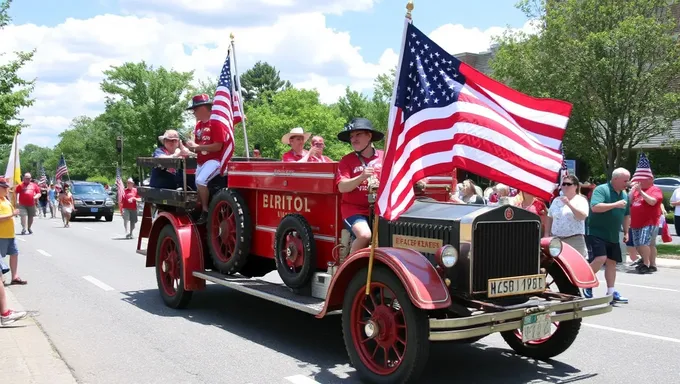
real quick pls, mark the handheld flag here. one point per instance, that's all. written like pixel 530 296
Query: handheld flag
pixel 643 170
pixel 446 114
pixel 222 116
pixel 43 177
pixel 13 171
pixel 61 168
pixel 120 187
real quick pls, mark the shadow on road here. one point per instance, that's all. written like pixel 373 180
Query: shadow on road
pixel 318 344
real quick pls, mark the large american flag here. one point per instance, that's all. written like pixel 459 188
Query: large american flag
pixel 445 115
pixel 238 115
pixel 222 116
pixel 643 170
pixel 61 168
pixel 43 177
pixel 120 187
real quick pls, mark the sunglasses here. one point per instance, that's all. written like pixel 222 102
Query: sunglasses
pixel 567 184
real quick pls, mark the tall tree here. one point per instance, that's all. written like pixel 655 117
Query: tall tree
pixel 141 103
pixel 261 82
pixel 14 91
pixel 617 61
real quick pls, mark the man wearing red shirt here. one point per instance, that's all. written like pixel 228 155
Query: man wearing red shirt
pixel 27 194
pixel 208 144
pixel 297 138
pixel 645 211
pixel 355 171
pixel 129 207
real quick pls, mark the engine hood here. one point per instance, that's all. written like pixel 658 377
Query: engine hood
pixel 464 213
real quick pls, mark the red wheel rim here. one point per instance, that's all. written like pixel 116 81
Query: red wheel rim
pixel 378 328
pixel 169 267
pixel 223 233
pixel 293 252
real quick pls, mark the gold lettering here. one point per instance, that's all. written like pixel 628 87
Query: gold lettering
pixel 265 200
pixel 288 198
pixel 285 203
pixel 421 244
pixel 306 207
pixel 277 202
pixel 298 204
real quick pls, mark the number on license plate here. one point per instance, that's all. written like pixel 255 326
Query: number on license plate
pixel 536 327
pixel 94 209
pixel 519 285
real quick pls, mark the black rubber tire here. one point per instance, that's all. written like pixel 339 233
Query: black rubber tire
pixel 566 332
pixel 182 298
pixel 244 231
pixel 299 224
pixel 417 336
pixel 109 218
pixel 98 217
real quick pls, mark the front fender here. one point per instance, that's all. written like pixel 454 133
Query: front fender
pixel 423 284
pixel 575 267
pixel 189 242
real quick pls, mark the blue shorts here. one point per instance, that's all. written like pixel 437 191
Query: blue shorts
pixel 645 236
pixel 350 221
pixel 8 247
pixel 629 243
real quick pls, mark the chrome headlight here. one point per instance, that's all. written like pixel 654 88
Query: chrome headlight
pixel 447 256
pixel 109 202
pixel 78 202
pixel 555 247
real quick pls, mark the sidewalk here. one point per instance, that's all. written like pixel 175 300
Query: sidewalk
pixel 667 263
pixel 27 355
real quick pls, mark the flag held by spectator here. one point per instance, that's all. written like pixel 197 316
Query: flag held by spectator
pixel 446 114
pixel 43 177
pixel 120 187
pixel 61 168
pixel 222 116
pixel 13 170
pixel 643 170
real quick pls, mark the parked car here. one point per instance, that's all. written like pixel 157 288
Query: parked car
pixel 91 200
pixel 667 185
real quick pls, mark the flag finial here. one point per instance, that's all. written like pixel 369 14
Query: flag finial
pixel 409 8
pixel 231 36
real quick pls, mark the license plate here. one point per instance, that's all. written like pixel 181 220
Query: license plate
pixel 94 209
pixel 518 285
pixel 536 327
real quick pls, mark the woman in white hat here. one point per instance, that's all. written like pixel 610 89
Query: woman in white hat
pixel 172 147
pixel 297 138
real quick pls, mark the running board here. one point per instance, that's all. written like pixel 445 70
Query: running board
pixel 278 293
pixel 142 251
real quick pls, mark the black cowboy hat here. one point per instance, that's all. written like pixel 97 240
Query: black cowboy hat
pixel 360 124
pixel 198 100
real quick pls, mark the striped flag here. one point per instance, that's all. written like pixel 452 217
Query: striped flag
pixel 238 115
pixel 445 114
pixel 43 177
pixel 61 168
pixel 564 172
pixel 643 170
pixel 120 187
pixel 222 115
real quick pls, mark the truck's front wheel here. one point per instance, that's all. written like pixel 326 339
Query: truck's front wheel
pixel 386 336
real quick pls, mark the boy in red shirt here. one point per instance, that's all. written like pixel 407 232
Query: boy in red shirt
pixel 645 210
pixel 354 171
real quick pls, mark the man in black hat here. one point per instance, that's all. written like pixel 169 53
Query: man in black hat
pixel 355 171
pixel 208 144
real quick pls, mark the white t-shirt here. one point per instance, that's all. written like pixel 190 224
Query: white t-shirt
pixel 564 223
pixel 674 198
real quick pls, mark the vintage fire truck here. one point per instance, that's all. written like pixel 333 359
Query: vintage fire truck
pixel 441 272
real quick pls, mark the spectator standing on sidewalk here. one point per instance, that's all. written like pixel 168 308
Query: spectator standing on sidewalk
pixel 609 210
pixel 567 215
pixel 27 194
pixel 129 207
pixel 645 210
pixel 675 203
pixel 8 244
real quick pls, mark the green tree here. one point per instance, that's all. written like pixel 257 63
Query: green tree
pixel 32 157
pixel 261 82
pixel 14 91
pixel 614 60
pixel 87 148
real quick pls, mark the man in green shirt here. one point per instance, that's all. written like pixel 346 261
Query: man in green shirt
pixel 609 210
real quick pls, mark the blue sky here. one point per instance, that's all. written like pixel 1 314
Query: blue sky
pixel 321 44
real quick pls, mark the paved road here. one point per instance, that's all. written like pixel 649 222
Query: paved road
pixel 102 311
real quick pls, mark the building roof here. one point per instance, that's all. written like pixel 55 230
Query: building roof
pixel 662 141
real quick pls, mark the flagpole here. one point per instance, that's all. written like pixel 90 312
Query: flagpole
pixel 240 98
pixel 67 173
pixel 376 215
pixel 14 167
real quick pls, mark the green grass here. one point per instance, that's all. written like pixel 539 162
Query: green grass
pixel 668 251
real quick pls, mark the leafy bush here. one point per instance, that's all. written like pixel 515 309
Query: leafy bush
pixel 99 179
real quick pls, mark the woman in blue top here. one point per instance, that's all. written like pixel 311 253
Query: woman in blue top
pixel 52 199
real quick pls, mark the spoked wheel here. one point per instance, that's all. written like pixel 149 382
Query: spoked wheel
pixel 295 251
pixel 229 231
pixel 385 335
pixel 561 334
pixel 170 268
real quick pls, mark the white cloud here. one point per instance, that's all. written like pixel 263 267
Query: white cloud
pixel 456 38
pixel 71 56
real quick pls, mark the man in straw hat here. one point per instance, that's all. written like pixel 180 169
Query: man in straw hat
pixel 208 144
pixel 355 171
pixel 645 210
pixel 297 138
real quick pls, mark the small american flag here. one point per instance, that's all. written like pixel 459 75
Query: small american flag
pixel 120 187
pixel 643 170
pixel 222 115
pixel 446 114
pixel 43 177
pixel 238 115
pixel 564 172
pixel 61 168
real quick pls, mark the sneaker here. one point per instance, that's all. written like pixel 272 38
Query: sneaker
pixel 642 269
pixel 23 231
pixel 636 262
pixel 588 293
pixel 203 219
pixel 30 231
pixel 12 317
pixel 652 268
pixel 618 298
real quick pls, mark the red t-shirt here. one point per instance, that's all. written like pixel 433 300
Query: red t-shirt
pixel 322 159
pixel 643 214
pixel 27 193
pixel 292 156
pixel 356 201
pixel 130 194
pixel 207 133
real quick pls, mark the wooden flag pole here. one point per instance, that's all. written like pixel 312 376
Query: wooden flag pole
pixel 14 169
pixel 376 216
